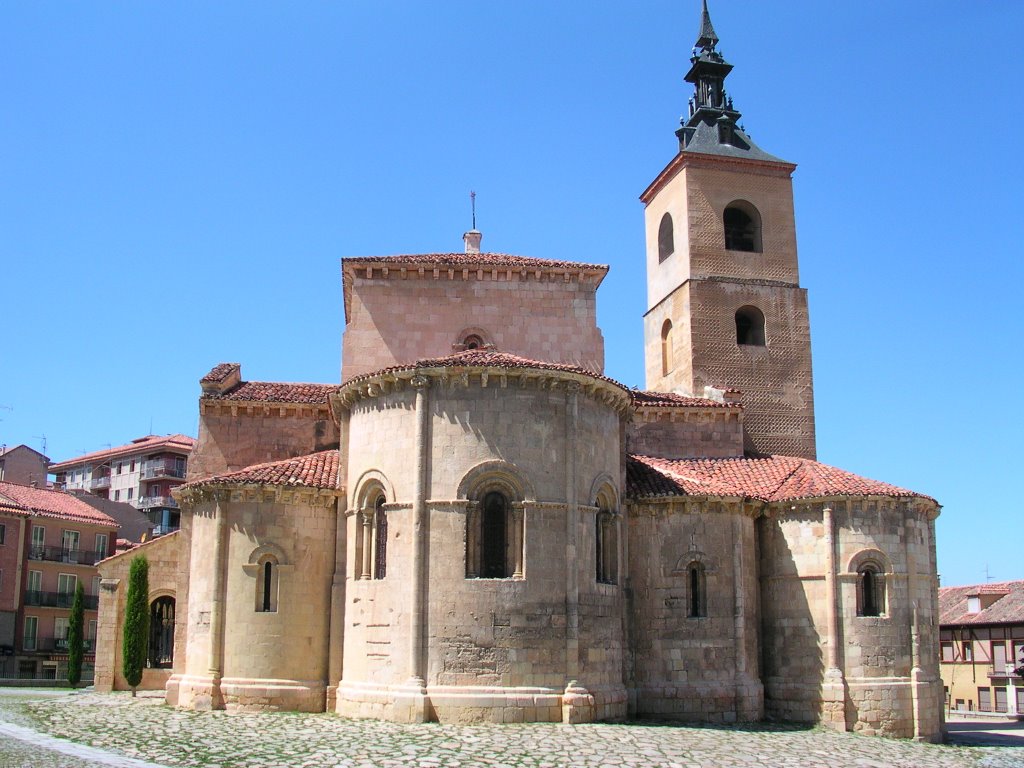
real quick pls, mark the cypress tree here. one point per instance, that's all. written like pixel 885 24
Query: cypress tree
pixel 136 623
pixel 76 637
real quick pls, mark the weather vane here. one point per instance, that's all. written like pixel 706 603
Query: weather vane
pixel 472 203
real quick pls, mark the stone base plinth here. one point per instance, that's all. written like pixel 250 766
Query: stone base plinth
pixel 714 701
pixel 201 692
pixel 263 695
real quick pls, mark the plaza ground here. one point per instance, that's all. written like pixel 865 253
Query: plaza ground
pixel 121 732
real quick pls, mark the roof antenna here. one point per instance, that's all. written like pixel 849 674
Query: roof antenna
pixel 473 237
pixel 43 438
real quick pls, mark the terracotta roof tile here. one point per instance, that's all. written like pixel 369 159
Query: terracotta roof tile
pixel 768 478
pixel 220 372
pixel 317 470
pixel 147 444
pixel 472 260
pixel 1008 609
pixel 478 358
pixel 275 392
pixel 28 501
pixel 671 399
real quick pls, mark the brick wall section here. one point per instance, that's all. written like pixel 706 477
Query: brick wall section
pixel 540 315
pixel 690 432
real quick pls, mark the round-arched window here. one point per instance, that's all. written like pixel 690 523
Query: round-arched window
pixel 750 327
pixel 742 224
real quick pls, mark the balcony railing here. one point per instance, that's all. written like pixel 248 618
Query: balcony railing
pixel 64 555
pixel 99 483
pixel 160 530
pixel 148 502
pixel 58 599
pixel 53 644
pixel 162 468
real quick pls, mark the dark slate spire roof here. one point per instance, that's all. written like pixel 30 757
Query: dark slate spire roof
pixel 712 126
pixel 707 37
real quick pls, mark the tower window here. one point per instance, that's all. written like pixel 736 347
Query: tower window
pixel 666 238
pixel 742 225
pixel 870 591
pixel 750 327
pixel 666 348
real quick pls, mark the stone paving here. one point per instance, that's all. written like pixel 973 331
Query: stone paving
pixel 147 730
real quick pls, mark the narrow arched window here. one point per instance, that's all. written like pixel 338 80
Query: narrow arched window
pixel 607 545
pixel 380 560
pixel 161 633
pixel 870 591
pixel 696 589
pixel 493 539
pixel 472 342
pixel 742 224
pixel 750 327
pixel 267 584
pixel 666 238
pixel 666 348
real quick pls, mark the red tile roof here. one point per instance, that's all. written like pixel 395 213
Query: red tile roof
pixel 317 470
pixel 147 444
pixel 671 399
pixel 767 478
pixel 479 358
pixel 275 392
pixel 27 501
pixel 1008 609
pixel 484 260
pixel 220 372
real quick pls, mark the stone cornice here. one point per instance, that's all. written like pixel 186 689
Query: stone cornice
pixel 258 492
pixel 682 160
pixel 268 408
pixel 465 377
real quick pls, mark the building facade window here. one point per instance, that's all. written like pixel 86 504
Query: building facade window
pixel 267 578
pixel 750 327
pixel 60 633
pixel 696 589
pixel 101 544
pixel 30 635
pixel 3 533
pixel 667 363
pixel 161 633
pixel 870 591
pixel 493 538
pixel 742 224
pixel 38 537
pixel 666 238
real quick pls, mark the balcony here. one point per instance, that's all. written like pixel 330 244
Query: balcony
pixel 99 483
pixel 162 468
pixel 58 599
pixel 63 555
pixel 149 502
pixel 161 530
pixel 53 644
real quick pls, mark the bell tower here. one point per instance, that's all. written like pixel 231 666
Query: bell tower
pixel 725 306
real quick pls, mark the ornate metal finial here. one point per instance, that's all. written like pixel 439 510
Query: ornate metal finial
pixel 707 39
pixel 472 203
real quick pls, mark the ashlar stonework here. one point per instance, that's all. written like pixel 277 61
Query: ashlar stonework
pixel 477 525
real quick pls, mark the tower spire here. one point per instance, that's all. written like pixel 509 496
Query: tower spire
pixel 707 39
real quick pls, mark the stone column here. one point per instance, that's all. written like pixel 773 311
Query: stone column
pixel 366 520
pixel 411 700
pixel 833 688
pixel 336 643
pixel 517 542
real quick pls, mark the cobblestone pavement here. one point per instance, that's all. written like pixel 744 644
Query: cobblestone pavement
pixel 145 729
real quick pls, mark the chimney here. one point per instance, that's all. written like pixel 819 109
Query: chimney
pixel 472 240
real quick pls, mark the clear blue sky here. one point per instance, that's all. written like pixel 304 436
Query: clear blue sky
pixel 179 180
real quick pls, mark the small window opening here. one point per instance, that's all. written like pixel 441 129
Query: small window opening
pixel 606 546
pixel 666 238
pixel 750 327
pixel 742 225
pixel 161 633
pixel 473 342
pixel 697 593
pixel 870 592
pixel 267 584
pixel 380 566
pixel 494 563
pixel 666 348
pixel 268 579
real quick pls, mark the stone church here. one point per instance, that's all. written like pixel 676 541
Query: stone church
pixel 478 525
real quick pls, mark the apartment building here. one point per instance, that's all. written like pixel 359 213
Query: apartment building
pixel 49 542
pixel 141 473
pixel 23 465
pixel 981 641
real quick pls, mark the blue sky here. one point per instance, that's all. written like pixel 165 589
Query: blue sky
pixel 179 180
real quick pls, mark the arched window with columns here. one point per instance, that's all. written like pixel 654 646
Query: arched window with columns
pixel 371 528
pixel 606 538
pixel 495 494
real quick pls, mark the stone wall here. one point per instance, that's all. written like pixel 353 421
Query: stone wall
pixel 233 436
pixel 701 668
pixel 164 556
pixel 686 432
pixel 537 314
